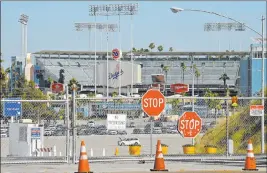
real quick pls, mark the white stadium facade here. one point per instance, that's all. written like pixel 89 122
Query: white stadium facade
pixel 81 66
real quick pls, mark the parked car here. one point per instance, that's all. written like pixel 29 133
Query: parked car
pixel 4 135
pixel 131 125
pixel 112 132
pixel 48 133
pixel 91 123
pixel 100 132
pixel 52 127
pixel 122 132
pixel 128 141
pixel 59 133
pixel 172 131
pixel 156 130
pixel 138 131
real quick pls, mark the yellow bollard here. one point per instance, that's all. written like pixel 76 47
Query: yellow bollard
pixel 116 151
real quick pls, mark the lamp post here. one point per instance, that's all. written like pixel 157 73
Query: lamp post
pixel 115 10
pixel 24 21
pixel 96 26
pixel 176 10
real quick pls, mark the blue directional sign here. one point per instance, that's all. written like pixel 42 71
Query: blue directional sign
pixel 36 133
pixel 12 108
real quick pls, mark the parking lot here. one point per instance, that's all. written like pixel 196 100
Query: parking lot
pixel 100 141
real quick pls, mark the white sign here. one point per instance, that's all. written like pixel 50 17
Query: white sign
pixel 116 121
pixel 256 110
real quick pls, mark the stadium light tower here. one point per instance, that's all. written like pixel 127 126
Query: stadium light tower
pixel 96 26
pixel 176 10
pixel 24 21
pixel 115 10
pixel 224 26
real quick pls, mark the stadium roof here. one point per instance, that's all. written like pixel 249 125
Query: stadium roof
pixel 57 52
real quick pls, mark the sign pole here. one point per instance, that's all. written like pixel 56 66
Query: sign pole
pixel 151 143
pixel 227 132
pixel 153 103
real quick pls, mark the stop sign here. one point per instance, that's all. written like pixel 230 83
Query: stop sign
pixel 153 102
pixel 189 124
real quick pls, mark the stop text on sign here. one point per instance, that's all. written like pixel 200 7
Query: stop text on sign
pixel 153 102
pixel 190 124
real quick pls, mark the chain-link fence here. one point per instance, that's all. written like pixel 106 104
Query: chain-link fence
pixel 111 127
pixel 33 128
pixel 220 123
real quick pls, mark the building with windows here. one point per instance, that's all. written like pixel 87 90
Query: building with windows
pixel 16 71
pixel 251 71
pixel 80 65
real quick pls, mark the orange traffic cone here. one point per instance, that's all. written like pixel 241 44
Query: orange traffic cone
pixel 250 164
pixel 83 162
pixel 159 164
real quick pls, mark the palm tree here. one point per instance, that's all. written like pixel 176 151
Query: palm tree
pixel 61 76
pixel 134 49
pixel 50 81
pixel 160 48
pixel 224 77
pixel 197 74
pixel 73 84
pixel 151 46
pixel 183 70
pixel 4 79
pixel 170 49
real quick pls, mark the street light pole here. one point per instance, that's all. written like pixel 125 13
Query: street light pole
pixel 262 82
pixel 176 10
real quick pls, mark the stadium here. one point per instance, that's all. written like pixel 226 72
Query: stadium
pixel 242 68
pixel 80 65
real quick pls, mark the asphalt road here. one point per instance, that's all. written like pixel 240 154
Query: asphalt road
pixel 126 167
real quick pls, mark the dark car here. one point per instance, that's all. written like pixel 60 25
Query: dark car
pixel 138 131
pixel 122 132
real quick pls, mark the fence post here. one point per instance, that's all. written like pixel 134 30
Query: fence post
pixel 227 128
pixel 67 119
pixel 73 124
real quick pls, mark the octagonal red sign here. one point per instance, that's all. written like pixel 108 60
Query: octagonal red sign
pixel 153 102
pixel 190 124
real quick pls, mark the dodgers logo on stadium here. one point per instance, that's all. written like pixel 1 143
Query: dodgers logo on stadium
pixel 116 73
pixel 116 54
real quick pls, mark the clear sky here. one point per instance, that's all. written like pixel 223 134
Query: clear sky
pixel 51 26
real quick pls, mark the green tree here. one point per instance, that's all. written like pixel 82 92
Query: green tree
pixel 197 75
pixel 4 81
pixel 151 46
pixel 160 48
pixel 50 81
pixel 73 83
pixel 224 77
pixel 212 103
pixel 61 76
pixel 134 49
pixel 170 49
pixel 183 70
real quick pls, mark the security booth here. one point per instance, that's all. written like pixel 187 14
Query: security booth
pixel 25 138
